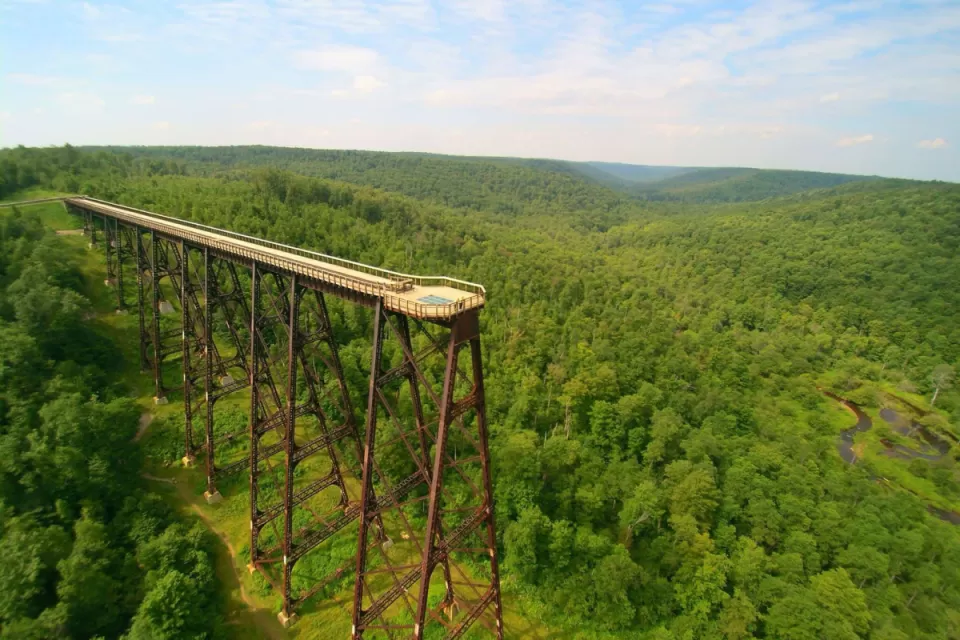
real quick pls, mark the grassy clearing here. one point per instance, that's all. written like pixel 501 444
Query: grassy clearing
pixel 33 193
pixel 53 214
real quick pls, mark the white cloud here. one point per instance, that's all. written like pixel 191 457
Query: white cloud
pixel 141 99
pixel 33 79
pixel 226 14
pixel 366 83
pixel 936 143
pixel 763 131
pixel 80 100
pixel 357 16
pixel 345 58
pixel 490 10
pixel 855 140
pixel 161 125
pixel 90 11
pixel 259 125
pixel 316 132
pixel 120 37
pixel 340 93
pixel 830 97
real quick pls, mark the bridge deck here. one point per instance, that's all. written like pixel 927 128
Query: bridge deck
pixel 429 297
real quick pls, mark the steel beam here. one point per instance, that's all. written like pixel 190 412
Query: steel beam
pixel 458 523
pixel 420 406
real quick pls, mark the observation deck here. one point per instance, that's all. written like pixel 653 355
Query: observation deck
pixel 425 297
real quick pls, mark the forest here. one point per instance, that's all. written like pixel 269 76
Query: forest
pixel 667 461
pixel 88 551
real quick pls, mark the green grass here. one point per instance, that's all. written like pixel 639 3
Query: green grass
pixel 33 193
pixel 53 214
pixel 895 472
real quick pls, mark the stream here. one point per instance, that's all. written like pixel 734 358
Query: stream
pixel 933 447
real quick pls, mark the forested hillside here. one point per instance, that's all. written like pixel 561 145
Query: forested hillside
pixel 505 186
pixel 508 186
pixel 739 185
pixel 87 551
pixel 638 173
pixel 666 461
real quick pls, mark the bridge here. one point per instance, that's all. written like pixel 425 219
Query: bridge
pixel 248 320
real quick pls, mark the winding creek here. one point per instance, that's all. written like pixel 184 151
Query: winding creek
pixel 932 449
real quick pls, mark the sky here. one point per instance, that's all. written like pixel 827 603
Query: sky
pixel 855 86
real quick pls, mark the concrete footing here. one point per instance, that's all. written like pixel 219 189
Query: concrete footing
pixel 386 544
pixel 226 380
pixel 286 620
pixel 121 312
pixel 188 461
pixel 251 568
pixel 165 307
pixel 110 282
pixel 160 400
pixel 451 609
pixel 212 498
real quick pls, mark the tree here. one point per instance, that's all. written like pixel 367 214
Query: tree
pixel 169 611
pixel 738 617
pixel 644 506
pixel 28 575
pixel 91 586
pixel 942 378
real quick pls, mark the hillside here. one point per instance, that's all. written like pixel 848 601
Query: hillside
pixel 508 186
pixel 666 460
pixel 505 186
pixel 740 185
pixel 637 172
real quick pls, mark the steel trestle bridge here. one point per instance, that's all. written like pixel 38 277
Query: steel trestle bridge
pixel 248 317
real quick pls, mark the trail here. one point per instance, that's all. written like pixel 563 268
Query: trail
pixel 266 624
pixel 265 621
pixel 145 420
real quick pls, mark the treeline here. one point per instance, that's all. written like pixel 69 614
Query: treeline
pixel 666 466
pixel 507 187
pixel 739 185
pixel 86 551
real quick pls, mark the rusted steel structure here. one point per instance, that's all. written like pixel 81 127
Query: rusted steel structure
pixel 411 494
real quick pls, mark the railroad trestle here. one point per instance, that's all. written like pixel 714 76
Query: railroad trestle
pixel 409 495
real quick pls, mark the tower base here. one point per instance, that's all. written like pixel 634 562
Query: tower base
pixel 286 620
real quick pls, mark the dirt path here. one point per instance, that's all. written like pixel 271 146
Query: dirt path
pixel 252 615
pixel 267 624
pixel 145 420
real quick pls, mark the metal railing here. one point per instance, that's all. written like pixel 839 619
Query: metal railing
pixel 389 285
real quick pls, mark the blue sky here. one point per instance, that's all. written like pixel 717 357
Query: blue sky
pixel 855 86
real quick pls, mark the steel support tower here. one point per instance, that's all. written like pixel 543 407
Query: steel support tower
pixel 410 495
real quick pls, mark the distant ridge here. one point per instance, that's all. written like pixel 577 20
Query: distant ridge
pixel 502 182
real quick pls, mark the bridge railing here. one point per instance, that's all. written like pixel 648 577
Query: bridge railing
pixel 386 274
pixel 393 282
